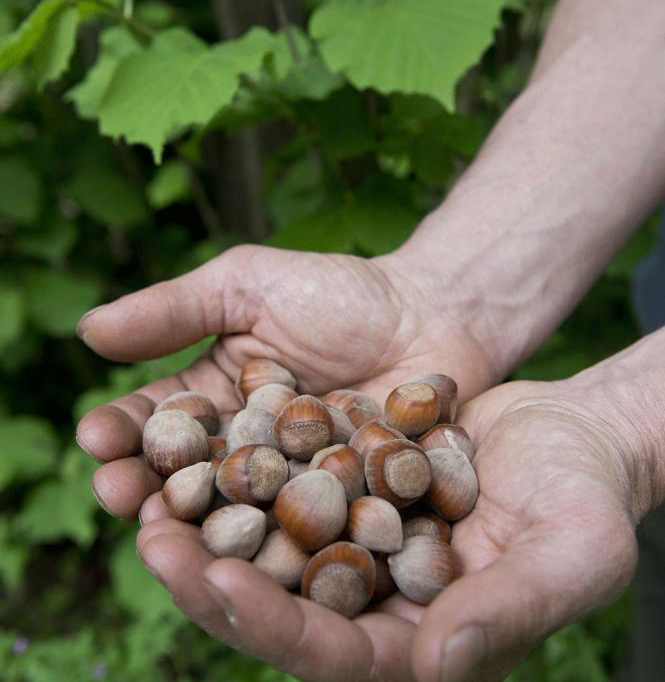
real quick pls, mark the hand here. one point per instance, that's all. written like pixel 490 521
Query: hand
pixel 334 321
pixel 552 537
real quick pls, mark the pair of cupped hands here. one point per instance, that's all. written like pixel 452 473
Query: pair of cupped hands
pixel 551 537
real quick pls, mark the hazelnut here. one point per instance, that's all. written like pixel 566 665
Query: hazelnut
pixel 375 524
pixel 385 585
pixel 412 408
pixel 447 436
pixel 173 440
pixel 303 427
pixel 282 559
pixel 371 435
pixel 426 523
pixel 345 463
pixel 398 471
pixel 252 474
pixel 311 508
pixel 342 577
pixel 454 488
pixel 271 397
pixel 188 493
pixel 197 405
pixel 446 389
pixel 422 568
pixel 358 407
pixel 259 372
pixel 251 426
pixel 235 530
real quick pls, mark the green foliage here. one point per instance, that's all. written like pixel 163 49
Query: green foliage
pixel 399 45
pixel 20 190
pixel 354 119
pixel 177 82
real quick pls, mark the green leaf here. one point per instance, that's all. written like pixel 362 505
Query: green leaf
pixel 115 44
pixel 17 46
pixel 20 190
pixel 377 221
pixel 343 123
pixel 328 231
pixel 51 241
pixel 13 557
pixel 177 82
pixel 62 509
pixel 54 51
pixel 411 46
pixel 169 185
pixel 57 300
pixel 106 196
pixel 12 315
pixel 135 588
pixel 29 447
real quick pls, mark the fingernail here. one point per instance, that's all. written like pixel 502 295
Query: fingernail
pixel 98 498
pixel 79 327
pixel 222 600
pixel 80 443
pixel 462 654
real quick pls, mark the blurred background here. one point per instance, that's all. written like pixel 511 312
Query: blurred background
pixel 311 133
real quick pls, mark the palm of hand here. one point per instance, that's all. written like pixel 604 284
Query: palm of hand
pixel 335 321
pixel 549 539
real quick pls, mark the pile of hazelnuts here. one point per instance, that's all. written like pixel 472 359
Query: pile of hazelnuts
pixel 329 494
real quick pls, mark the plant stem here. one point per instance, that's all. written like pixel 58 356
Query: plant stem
pixel 283 19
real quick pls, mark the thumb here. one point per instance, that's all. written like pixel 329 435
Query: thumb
pixel 485 622
pixel 172 315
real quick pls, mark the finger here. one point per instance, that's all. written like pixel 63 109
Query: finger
pixel 114 431
pixel 166 317
pixel 289 633
pixel 179 562
pixel 487 618
pixel 122 486
pixel 166 527
pixel 153 509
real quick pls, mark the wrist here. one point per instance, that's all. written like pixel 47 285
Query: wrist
pixel 625 394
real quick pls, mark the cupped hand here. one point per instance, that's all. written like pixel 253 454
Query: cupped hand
pixel 562 483
pixel 335 321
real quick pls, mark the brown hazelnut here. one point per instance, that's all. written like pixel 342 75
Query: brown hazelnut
pixel 173 440
pixel 296 467
pixel 454 488
pixel 311 508
pixel 371 435
pixel 343 429
pixel 303 427
pixel 188 493
pixel 447 436
pixel 252 474
pixel 197 405
pixel 422 568
pixel 426 523
pixel 259 372
pixel 385 585
pixel 398 471
pixel 216 447
pixel 342 577
pixel 358 407
pixel 282 559
pixel 235 530
pixel 251 426
pixel 345 463
pixel 375 524
pixel 412 408
pixel 446 389
pixel 271 397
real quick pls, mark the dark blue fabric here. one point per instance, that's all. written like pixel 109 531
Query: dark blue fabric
pixel 649 287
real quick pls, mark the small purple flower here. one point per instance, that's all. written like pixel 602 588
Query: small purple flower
pixel 20 646
pixel 99 672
